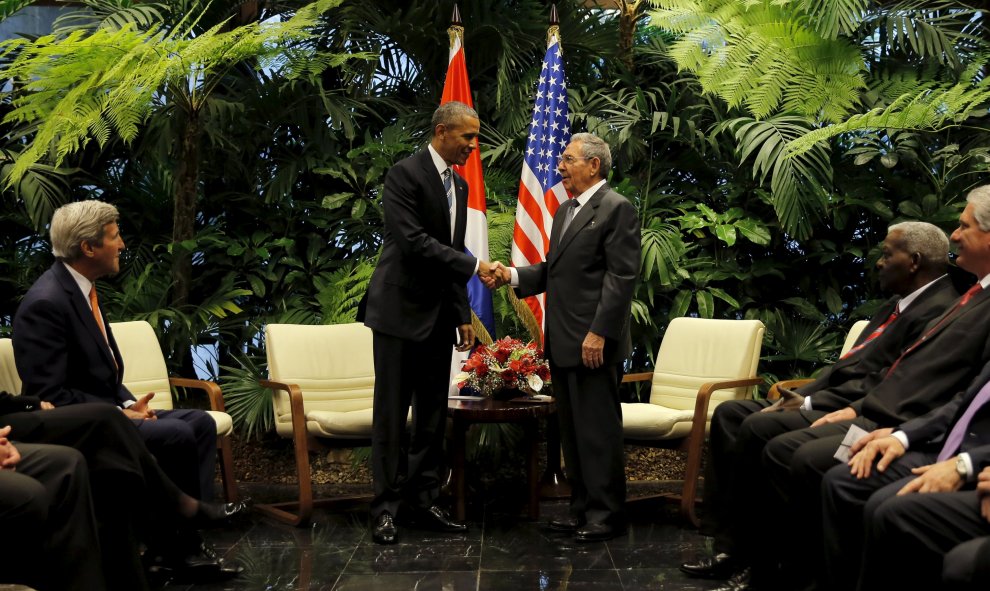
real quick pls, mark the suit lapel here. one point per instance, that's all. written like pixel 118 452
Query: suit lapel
pixel 973 304
pixel 80 306
pixel 582 218
pixel 438 204
pixel 461 190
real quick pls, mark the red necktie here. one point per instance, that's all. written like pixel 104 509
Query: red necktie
pixel 959 304
pixel 876 332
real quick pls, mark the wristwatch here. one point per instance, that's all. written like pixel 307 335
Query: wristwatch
pixel 961 469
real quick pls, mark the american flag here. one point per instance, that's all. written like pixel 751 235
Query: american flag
pixel 540 190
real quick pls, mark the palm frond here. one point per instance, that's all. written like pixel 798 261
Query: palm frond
pixel 935 107
pixel 796 180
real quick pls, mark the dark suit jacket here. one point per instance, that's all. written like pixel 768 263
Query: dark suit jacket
pixel 422 275
pixel 60 353
pixel 848 380
pixel 942 365
pixel 930 430
pixel 589 276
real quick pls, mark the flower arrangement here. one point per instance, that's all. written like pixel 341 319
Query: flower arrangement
pixel 505 364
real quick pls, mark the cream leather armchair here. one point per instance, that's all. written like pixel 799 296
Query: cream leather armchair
pixel 10 382
pixel 701 362
pixel 323 379
pixel 145 371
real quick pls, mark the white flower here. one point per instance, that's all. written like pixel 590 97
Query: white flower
pixel 461 377
pixel 534 381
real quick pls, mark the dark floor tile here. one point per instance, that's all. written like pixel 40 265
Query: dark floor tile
pixel 399 558
pixel 433 581
pixel 572 580
pixel 662 579
pixel 657 545
pixel 343 529
pixel 531 546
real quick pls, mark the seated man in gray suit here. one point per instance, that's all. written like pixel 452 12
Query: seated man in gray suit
pixel 928 492
pixel 46 516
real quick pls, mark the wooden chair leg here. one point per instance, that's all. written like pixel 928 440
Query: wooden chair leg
pixel 304 506
pixel 227 470
pixel 689 491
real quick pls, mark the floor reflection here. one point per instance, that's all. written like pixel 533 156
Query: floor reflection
pixel 501 551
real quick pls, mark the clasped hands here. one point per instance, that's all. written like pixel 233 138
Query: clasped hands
pixel 932 478
pixel 494 274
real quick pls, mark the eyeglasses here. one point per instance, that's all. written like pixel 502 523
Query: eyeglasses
pixel 568 159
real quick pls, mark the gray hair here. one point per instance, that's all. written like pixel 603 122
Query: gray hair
pixel 980 198
pixel 78 222
pixel 593 146
pixel 450 114
pixel 925 239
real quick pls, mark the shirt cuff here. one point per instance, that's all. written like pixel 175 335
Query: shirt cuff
pixel 902 437
pixel 806 405
pixel 970 476
pixel 128 403
pixel 477 265
pixel 513 277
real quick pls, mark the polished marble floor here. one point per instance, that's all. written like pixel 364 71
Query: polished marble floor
pixel 501 551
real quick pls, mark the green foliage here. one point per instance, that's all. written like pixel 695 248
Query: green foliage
pixel 84 87
pixel 766 145
pixel 757 55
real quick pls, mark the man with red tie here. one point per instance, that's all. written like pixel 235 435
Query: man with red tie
pixel 66 354
pixel 914 258
pixel 936 367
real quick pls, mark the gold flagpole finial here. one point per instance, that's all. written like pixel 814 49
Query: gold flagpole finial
pixel 554 30
pixel 455 30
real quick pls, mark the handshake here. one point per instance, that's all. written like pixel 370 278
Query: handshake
pixel 494 274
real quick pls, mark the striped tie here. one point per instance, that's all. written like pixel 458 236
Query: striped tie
pixel 447 185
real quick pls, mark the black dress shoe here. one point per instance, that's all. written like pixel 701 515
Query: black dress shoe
pixel 568 524
pixel 437 519
pixel 720 566
pixel 597 532
pixel 385 531
pixel 201 566
pixel 740 581
pixel 215 514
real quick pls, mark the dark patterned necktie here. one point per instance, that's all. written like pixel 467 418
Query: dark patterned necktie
pixel 447 186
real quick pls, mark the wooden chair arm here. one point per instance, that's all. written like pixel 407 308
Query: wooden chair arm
pixel 211 388
pixel 705 394
pixel 637 377
pixel 773 394
pixel 296 411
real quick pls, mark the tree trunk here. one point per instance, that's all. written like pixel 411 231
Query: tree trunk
pixel 184 213
pixel 628 14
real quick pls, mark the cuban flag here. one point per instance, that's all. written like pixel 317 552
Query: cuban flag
pixel 540 189
pixel 457 88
